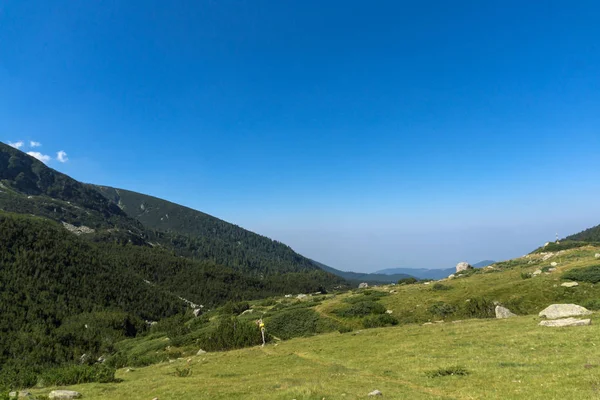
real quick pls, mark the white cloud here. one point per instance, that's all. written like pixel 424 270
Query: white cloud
pixel 16 145
pixel 62 156
pixel 42 157
pixel 34 144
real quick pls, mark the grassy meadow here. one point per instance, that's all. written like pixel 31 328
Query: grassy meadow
pixel 440 330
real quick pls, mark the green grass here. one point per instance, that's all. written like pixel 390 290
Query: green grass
pixel 470 359
pixel 506 359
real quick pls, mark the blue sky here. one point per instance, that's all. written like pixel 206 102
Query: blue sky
pixel 366 135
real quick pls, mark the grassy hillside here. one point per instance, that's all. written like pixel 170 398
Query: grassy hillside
pixel 320 346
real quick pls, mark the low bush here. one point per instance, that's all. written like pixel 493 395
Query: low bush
pixel 77 374
pixel 233 308
pixel 440 286
pixel 407 281
pixel 231 333
pixel 442 309
pixel 588 274
pixel 449 371
pixel 361 309
pixel 592 304
pixel 526 275
pixel 294 323
pixel 183 372
pixel 267 302
pixel 479 308
pixel 376 321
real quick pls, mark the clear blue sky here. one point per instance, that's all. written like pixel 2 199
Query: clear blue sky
pixel 366 135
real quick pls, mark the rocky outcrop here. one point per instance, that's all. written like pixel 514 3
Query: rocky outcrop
pixel 503 312
pixel 570 284
pixel 556 311
pixel 363 285
pixel 78 230
pixel 64 394
pixel 463 266
pixel 566 322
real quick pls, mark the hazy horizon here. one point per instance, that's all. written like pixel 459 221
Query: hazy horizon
pixel 365 136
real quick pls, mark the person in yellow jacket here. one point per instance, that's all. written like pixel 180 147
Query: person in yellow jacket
pixel 261 326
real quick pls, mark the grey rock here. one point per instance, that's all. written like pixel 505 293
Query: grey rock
pixel 463 266
pixel 551 269
pixel 451 276
pixel 197 312
pixel 388 311
pixel 375 393
pixel 597 255
pixel 363 285
pixel 301 296
pixel 570 284
pixel 556 311
pixel 64 394
pixel 566 322
pixel 537 272
pixel 553 264
pixel 503 312
pixel 200 352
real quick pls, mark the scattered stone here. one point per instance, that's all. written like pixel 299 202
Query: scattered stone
pixel 248 311
pixel 375 393
pixel 547 256
pixel 101 359
pixel 156 398
pixel 301 296
pixel 451 276
pixel 287 296
pixel 200 352
pixel 566 322
pixel 428 323
pixel 463 266
pixel 78 230
pixel 556 311
pixel 551 269
pixel 84 359
pixel 20 394
pixel 197 312
pixel 363 285
pixel 536 272
pixel 503 312
pixel 553 264
pixel 426 283
pixel 64 394
pixel 388 311
pixel 597 255
pixel 570 284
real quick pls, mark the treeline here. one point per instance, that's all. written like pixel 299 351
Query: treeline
pixel 62 296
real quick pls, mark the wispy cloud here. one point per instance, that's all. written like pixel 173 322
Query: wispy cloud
pixel 34 144
pixel 17 145
pixel 62 156
pixel 42 157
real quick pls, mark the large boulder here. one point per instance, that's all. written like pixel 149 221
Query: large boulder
pixel 503 312
pixel 556 311
pixel 463 266
pixel 64 394
pixel 363 285
pixel 566 322
pixel 597 255
pixel 570 284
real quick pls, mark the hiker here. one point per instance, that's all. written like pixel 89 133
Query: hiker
pixel 261 326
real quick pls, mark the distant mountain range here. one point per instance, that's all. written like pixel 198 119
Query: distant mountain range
pixel 371 278
pixel 423 273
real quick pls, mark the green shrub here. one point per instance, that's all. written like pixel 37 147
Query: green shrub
pixel 344 329
pixel 440 286
pixel 361 309
pixel 376 321
pixel 293 323
pixel 267 302
pixel 231 333
pixel 174 326
pixel 77 374
pixel 17 377
pixel 526 275
pixel 588 274
pixel 480 308
pixel 442 309
pixel 233 308
pixel 449 371
pixel 407 281
pixel 183 372
pixel 593 304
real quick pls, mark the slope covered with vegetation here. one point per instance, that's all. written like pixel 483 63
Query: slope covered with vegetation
pixel 433 340
pixel 62 296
